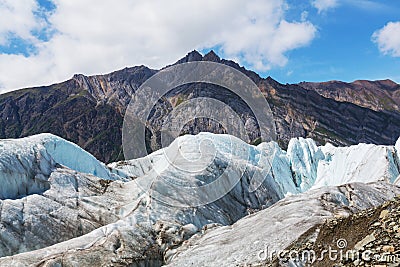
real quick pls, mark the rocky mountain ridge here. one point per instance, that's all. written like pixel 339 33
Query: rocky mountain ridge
pixel 89 111
pixel 375 95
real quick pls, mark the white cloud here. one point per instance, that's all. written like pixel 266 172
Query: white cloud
pixel 100 36
pixel 388 39
pixel 369 5
pixel 17 18
pixel 304 16
pixel 324 5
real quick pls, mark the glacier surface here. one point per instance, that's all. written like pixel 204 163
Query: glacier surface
pixel 26 163
pixel 252 240
pixel 59 205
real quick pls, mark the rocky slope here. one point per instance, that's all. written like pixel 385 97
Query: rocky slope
pixel 370 238
pixel 60 206
pixel 256 239
pixel 79 110
pixel 89 111
pixel 375 95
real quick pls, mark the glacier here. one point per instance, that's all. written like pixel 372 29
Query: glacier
pixel 359 163
pixel 252 240
pixel 200 195
pixel 26 163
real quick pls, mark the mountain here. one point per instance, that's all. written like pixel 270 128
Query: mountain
pixel 375 95
pixel 79 110
pixel 195 202
pixel 89 111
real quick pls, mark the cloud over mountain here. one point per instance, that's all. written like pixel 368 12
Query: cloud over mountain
pixel 91 36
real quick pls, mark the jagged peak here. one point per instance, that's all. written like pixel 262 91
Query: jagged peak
pixel 197 56
pixel 78 76
pixel 211 56
pixel 190 57
pixel 272 81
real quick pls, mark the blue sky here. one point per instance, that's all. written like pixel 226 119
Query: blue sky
pixel 343 49
pixel 47 41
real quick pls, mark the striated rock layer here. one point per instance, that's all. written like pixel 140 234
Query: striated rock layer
pixel 89 110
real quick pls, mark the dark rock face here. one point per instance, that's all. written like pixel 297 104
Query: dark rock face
pixel 116 88
pixel 89 110
pixel 300 112
pixel 376 95
pixel 65 110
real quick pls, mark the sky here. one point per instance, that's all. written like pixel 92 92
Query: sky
pixel 47 41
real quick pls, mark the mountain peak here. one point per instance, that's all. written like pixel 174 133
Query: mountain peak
pixel 211 56
pixel 196 56
pixel 190 57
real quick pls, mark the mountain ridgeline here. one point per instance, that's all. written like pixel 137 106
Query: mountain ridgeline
pixel 89 111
